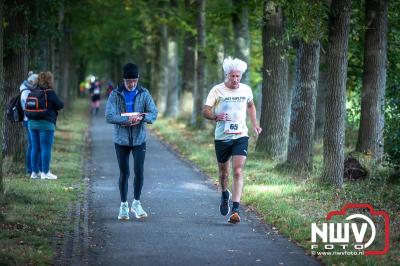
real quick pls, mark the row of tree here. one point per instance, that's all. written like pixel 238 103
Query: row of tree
pixel 302 56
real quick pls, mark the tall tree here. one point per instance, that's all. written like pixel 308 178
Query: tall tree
pixel 15 71
pixel 302 121
pixel 275 107
pixel 56 52
pixel 240 21
pixel 2 97
pixel 66 63
pixel 155 70
pixel 335 110
pixel 198 95
pixel 321 91
pixel 370 134
pixel 173 89
pixel 189 48
pixel 300 153
pixel 164 70
pixel 39 28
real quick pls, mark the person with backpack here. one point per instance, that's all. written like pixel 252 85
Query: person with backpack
pixel 25 88
pixel 41 108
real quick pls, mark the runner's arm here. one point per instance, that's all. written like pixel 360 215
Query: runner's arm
pixel 251 109
pixel 208 113
pixel 112 114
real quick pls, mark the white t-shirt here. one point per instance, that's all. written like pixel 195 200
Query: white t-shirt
pixel 234 103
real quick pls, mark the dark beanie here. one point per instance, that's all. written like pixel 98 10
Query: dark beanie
pixel 131 71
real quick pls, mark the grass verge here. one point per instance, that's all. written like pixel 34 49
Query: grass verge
pixel 33 213
pixel 292 202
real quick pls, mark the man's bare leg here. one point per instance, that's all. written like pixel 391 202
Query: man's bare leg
pixel 237 186
pixel 223 170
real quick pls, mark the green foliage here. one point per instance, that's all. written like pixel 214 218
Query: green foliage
pixel 306 20
pixel 355 64
pixel 392 127
pixel 392 99
pixel 14 42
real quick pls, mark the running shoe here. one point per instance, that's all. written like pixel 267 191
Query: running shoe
pixel 234 218
pixel 123 211
pixel 224 206
pixel 137 209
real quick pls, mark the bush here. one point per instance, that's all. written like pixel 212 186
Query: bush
pixel 392 127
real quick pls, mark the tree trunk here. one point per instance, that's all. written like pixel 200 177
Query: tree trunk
pixel 148 60
pixel 189 46
pixel 163 81
pixel 335 110
pixel 198 96
pixel 370 134
pixel 116 70
pixel 41 49
pixel 66 57
pixel 241 33
pixel 2 98
pixel 300 152
pixel 155 71
pixel 56 56
pixel 15 71
pixel 321 96
pixel 171 109
pixel 276 101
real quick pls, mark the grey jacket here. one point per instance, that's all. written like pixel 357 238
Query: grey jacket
pixel 25 89
pixel 124 134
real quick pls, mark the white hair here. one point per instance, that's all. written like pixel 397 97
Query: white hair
pixel 33 78
pixel 234 64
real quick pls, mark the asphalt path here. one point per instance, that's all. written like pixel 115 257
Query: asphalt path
pixel 184 226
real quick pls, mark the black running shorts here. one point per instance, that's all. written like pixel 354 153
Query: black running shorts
pixel 224 149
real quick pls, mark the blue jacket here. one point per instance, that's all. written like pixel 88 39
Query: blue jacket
pixel 124 134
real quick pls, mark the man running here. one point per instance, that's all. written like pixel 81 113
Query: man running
pixel 227 104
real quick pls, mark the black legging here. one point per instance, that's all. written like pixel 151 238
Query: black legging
pixel 123 153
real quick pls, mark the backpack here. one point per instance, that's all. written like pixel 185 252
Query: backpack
pixel 36 105
pixel 14 111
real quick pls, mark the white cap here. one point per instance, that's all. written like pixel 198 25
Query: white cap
pixel 235 64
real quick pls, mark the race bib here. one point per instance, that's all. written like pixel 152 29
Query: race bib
pixel 232 127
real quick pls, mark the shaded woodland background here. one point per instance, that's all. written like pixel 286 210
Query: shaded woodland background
pixel 321 71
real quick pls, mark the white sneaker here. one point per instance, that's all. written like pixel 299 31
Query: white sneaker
pixel 123 211
pixel 35 175
pixel 138 210
pixel 48 175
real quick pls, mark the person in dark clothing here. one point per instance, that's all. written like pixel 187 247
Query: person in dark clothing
pixel 95 92
pixel 25 89
pixel 42 129
pixel 130 107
